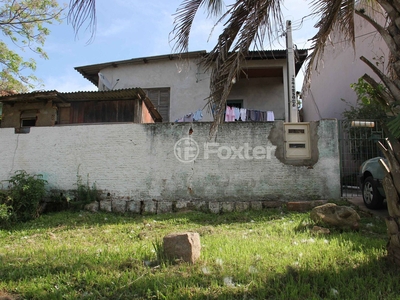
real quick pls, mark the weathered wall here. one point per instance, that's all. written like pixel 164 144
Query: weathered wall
pixel 46 113
pixel 139 161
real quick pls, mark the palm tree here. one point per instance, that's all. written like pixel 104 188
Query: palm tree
pixel 247 23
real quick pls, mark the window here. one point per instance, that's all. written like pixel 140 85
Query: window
pixel 235 103
pixel 28 118
pixel 161 99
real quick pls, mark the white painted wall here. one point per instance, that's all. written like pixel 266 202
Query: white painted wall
pixel 137 161
pixel 189 85
pixel 340 67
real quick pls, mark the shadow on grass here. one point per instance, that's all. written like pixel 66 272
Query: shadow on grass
pixel 376 279
pixel 89 276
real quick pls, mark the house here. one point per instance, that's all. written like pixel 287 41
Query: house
pixel 168 166
pixel 330 94
pixel 339 67
pixel 178 85
pixel 49 108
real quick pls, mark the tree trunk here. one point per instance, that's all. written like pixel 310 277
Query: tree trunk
pixel 390 181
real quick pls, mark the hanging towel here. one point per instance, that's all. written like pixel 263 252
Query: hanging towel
pixel 270 116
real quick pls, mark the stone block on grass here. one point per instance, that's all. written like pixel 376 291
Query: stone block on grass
pixel 185 246
pixel 200 205
pixel 149 207
pixel 256 205
pixel 133 207
pixel 227 206
pixel 118 206
pixel 93 206
pixel 164 207
pixel 105 205
pixel 214 207
pixel 241 206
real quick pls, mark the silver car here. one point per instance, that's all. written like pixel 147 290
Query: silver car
pixel 370 179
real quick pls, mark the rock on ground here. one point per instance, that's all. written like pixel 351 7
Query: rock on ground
pixel 337 216
pixel 185 246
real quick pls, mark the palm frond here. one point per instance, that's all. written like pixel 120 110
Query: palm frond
pixel 80 12
pixel 184 18
pixel 249 23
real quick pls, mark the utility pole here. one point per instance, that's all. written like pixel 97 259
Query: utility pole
pixel 293 110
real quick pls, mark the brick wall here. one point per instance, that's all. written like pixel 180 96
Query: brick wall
pixel 140 162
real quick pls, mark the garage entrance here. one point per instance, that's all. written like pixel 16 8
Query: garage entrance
pixel 358 141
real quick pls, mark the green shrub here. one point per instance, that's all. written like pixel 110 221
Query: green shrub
pixel 84 193
pixel 24 195
pixel 5 214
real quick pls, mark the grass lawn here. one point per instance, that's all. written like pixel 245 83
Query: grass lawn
pixel 268 254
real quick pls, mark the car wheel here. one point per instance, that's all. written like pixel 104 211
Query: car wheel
pixel 371 196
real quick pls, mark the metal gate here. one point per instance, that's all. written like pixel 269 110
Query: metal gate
pixel 358 141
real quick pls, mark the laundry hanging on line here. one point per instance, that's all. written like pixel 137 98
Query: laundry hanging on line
pixel 233 114
pixel 191 117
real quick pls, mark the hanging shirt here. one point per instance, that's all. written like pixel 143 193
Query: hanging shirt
pixel 229 114
pixel 263 116
pixel 236 111
pixel 198 115
pixel 242 114
pixel 253 115
pixel 188 118
pixel 248 113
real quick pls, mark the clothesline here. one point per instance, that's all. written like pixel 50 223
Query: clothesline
pixel 233 114
pixel 191 117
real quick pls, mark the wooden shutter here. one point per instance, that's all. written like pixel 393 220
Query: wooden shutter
pixel 161 99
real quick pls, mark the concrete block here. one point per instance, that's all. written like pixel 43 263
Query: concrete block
pixel 118 205
pixel 272 204
pixel 183 206
pixel 214 207
pixel 242 206
pixel 105 205
pixel 93 207
pixel 303 205
pixel 201 205
pixel 256 205
pixel 149 207
pixel 133 207
pixel 164 207
pixel 227 206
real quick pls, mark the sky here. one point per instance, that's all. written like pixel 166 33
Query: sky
pixel 137 28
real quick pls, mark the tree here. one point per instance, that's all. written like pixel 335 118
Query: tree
pixel 248 22
pixel 22 23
